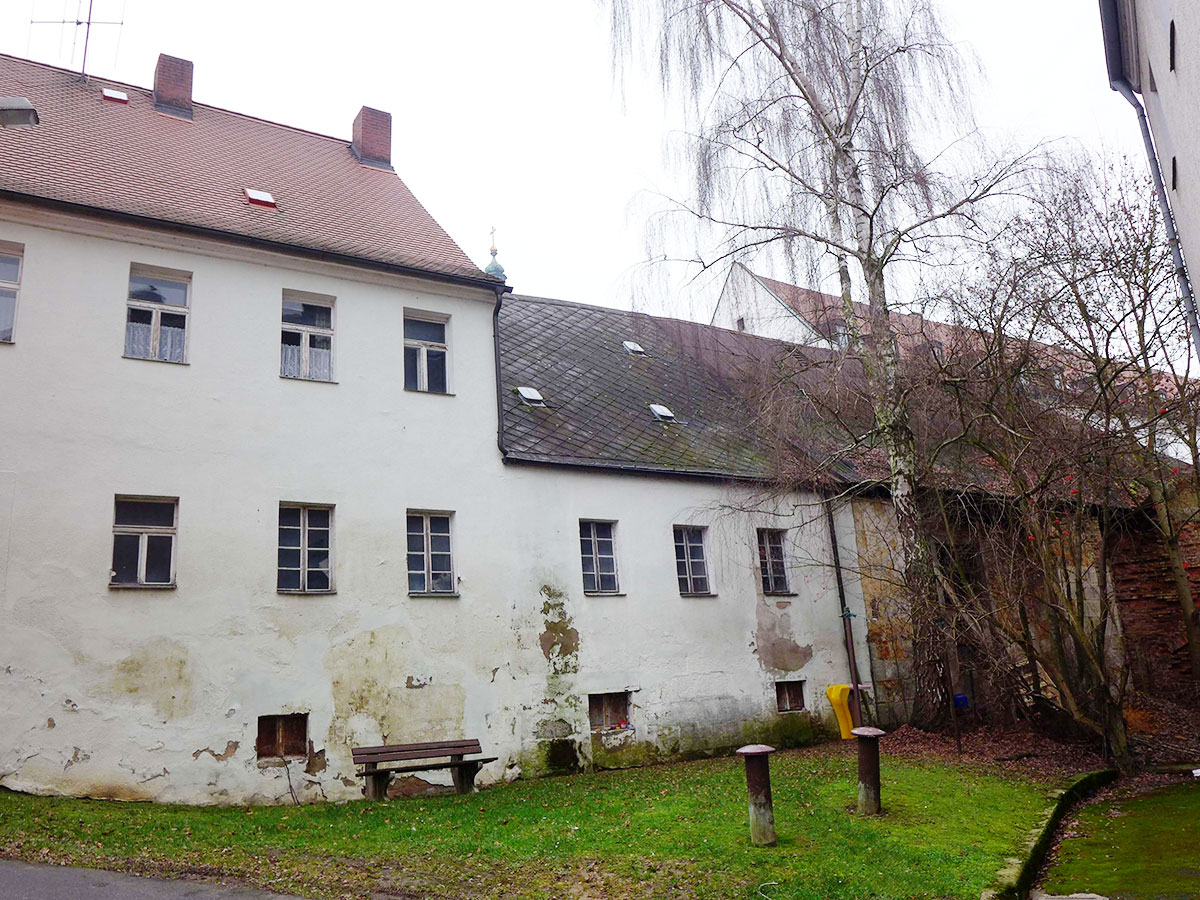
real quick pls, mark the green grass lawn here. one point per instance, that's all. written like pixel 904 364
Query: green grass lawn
pixel 1146 847
pixel 665 831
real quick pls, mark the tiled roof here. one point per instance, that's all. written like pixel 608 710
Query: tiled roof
pixel 135 161
pixel 598 395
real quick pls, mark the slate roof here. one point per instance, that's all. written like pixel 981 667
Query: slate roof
pixel 135 161
pixel 598 395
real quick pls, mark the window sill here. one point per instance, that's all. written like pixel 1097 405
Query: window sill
pixel 311 380
pixel 784 712
pixel 780 594
pixel 169 362
pixel 604 594
pixel 433 595
pixel 430 393
pixel 142 587
pixel 278 762
pixel 697 595
pixel 290 591
pixel 614 730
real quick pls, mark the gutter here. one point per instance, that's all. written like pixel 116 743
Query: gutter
pixel 1110 24
pixel 345 259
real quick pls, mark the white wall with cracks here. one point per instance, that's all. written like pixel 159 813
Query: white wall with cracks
pixel 155 694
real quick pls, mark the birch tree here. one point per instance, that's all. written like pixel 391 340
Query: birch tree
pixel 833 130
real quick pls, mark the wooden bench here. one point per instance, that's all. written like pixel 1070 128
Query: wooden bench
pixel 463 771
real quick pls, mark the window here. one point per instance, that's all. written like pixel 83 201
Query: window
pixel 10 282
pixel 305 549
pixel 1174 174
pixel 661 413
pixel 599 557
pixel 531 396
pixel 429 567
pixel 425 356
pixel 770 560
pixel 789 695
pixel 260 198
pixel 633 348
pixel 114 96
pixel 156 314
pixel 307 337
pixel 282 736
pixel 144 542
pixel 689 560
pixel 609 712
pixel 741 324
pixel 1171 44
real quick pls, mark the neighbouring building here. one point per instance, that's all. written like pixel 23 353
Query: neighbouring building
pixel 283 472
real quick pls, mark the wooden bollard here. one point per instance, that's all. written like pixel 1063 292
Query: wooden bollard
pixel 868 770
pixel 758 784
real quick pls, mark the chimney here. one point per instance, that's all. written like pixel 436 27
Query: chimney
pixel 173 86
pixel 372 142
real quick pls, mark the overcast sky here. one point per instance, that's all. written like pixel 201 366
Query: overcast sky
pixel 507 113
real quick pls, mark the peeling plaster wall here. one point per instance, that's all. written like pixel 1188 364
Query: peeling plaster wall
pixel 155 694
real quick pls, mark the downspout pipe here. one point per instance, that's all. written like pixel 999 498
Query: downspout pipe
pixel 856 709
pixel 1110 22
pixel 500 291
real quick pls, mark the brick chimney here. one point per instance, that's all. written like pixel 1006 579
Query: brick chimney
pixel 173 86
pixel 373 137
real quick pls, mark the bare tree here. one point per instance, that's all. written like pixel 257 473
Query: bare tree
pixel 812 126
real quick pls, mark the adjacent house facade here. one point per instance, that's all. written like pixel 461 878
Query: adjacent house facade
pixel 283 472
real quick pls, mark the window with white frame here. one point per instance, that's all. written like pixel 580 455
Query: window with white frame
pixel 425 355
pixel 11 256
pixel 770 560
pixel 156 314
pixel 306 338
pixel 598 550
pixel 144 530
pixel 305 563
pixel 691 565
pixel 430 567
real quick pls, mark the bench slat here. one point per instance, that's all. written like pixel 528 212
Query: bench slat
pixel 429 745
pixel 430 766
pixel 414 751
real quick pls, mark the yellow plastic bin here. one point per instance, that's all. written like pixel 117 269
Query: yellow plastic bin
pixel 839 699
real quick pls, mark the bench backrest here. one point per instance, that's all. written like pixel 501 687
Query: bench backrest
pixel 399 752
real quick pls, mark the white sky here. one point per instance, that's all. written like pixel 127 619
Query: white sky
pixel 507 113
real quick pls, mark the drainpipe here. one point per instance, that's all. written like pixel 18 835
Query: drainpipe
pixel 856 709
pixel 1110 23
pixel 499 388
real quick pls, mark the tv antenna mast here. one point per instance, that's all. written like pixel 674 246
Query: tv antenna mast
pixel 87 32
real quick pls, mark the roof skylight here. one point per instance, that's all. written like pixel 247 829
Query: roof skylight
pixel 531 396
pixel 114 96
pixel 662 413
pixel 260 198
pixel 633 348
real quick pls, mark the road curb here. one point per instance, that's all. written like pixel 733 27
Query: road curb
pixel 1015 880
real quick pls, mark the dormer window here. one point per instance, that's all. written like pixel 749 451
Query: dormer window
pixel 633 348
pixel 260 198
pixel 661 413
pixel 531 396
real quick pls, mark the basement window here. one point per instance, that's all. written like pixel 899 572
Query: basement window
pixel 789 696
pixel 306 338
pixel 282 737
pixel 531 396
pixel 144 542
pixel 260 198
pixel 10 283
pixel 661 413
pixel 156 314
pixel 114 96
pixel 609 712
pixel 633 348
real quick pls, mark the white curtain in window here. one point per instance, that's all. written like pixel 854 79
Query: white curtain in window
pixel 137 339
pixel 319 364
pixel 170 344
pixel 290 361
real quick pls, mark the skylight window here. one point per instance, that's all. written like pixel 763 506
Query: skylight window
pixel 633 348
pixel 114 96
pixel 662 413
pixel 531 396
pixel 260 198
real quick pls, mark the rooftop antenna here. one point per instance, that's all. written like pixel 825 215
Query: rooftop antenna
pixel 87 34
